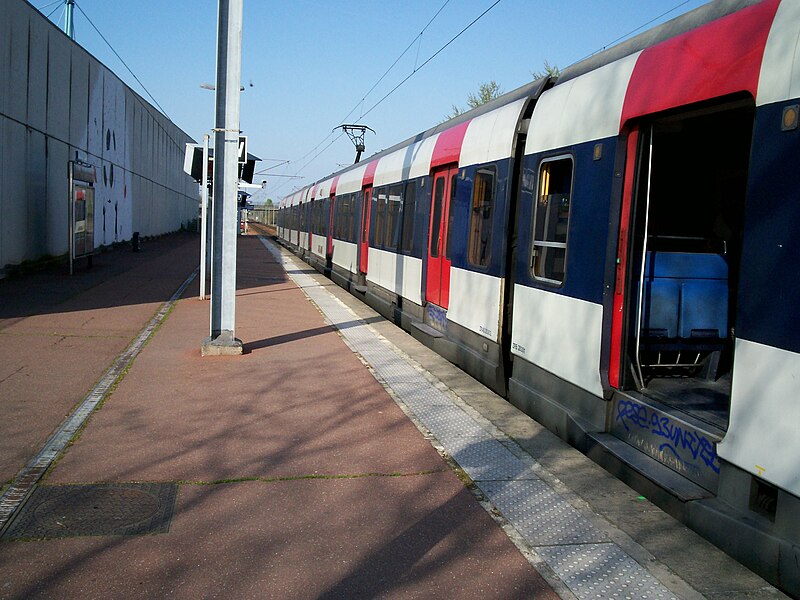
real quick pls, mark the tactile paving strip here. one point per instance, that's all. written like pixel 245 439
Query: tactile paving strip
pixel 448 420
pixel 602 571
pixel 547 522
pixel 488 460
pixel 540 514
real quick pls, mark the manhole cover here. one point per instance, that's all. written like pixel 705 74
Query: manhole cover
pixel 55 511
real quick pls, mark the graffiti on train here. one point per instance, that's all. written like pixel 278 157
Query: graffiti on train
pixel 687 446
pixel 437 317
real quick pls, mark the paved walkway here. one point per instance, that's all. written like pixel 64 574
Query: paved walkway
pixel 301 469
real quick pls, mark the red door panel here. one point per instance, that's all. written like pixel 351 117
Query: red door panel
pixel 437 285
pixel 615 356
pixel 330 225
pixel 364 242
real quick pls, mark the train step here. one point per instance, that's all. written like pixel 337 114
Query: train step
pixel 427 329
pixel 660 484
pixel 672 437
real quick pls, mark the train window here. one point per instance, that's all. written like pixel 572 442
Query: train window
pixel 480 225
pixel 409 208
pixel 379 216
pixel 372 212
pixel 436 221
pixel 343 210
pixel 337 217
pixel 450 215
pixel 392 217
pixel 353 229
pixel 346 217
pixel 551 219
pixel 355 203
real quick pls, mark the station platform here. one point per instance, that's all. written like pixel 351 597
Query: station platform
pixel 337 457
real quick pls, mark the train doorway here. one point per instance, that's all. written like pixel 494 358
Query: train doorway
pixel 363 250
pixel 437 285
pixel 686 217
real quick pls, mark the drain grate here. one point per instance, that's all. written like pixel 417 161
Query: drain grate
pixel 57 511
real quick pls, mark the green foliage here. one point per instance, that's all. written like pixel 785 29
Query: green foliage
pixel 548 71
pixel 486 92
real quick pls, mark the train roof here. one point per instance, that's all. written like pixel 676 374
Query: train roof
pixel 686 22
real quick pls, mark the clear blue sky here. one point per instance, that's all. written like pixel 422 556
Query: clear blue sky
pixel 311 62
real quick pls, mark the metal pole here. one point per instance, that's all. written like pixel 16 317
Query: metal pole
pixel 71 218
pixel 69 23
pixel 226 142
pixel 204 219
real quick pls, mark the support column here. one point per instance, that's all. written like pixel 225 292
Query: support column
pixel 204 229
pixel 226 169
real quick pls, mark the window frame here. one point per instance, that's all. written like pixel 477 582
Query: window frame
pixel 492 169
pixel 548 243
pixel 408 236
pixel 393 219
pixel 378 215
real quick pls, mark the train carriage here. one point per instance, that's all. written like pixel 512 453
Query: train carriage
pixel 614 250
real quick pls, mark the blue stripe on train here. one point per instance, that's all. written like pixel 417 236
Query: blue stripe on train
pixel 769 288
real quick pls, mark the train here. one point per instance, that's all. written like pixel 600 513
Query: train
pixel 614 250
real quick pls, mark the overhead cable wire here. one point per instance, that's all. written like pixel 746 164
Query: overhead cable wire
pixel 410 75
pixel 419 37
pixel 381 78
pixel 622 37
pixel 430 58
pixel 333 141
pixel 54 10
pixel 135 96
pixel 122 61
pixel 395 88
pixel 42 8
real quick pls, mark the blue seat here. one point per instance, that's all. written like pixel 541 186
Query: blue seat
pixel 660 317
pixel 704 309
pixel 686 297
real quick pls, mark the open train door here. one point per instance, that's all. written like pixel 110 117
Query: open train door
pixel 680 245
pixel 437 285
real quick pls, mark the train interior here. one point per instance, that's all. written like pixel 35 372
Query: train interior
pixel 688 215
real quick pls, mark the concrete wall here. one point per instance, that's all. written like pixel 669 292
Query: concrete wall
pixel 58 103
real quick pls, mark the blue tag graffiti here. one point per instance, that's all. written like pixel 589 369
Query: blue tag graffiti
pixel 679 441
pixel 437 317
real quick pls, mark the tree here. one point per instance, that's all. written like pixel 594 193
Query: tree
pixel 486 92
pixel 548 71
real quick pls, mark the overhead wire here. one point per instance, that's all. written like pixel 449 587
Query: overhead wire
pixel 430 58
pixel 381 78
pixel 45 6
pixel 54 10
pixel 136 96
pixel 653 20
pixel 122 61
pixel 435 54
pixel 409 76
